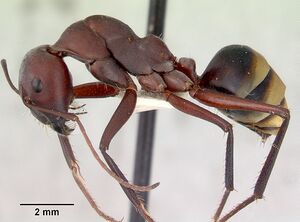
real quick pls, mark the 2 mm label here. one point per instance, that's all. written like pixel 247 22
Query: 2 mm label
pixel 46 212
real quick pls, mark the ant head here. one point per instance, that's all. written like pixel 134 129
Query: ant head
pixel 45 82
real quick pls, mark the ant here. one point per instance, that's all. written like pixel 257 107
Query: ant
pixel 238 81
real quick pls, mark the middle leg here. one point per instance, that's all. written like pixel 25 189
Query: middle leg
pixel 199 112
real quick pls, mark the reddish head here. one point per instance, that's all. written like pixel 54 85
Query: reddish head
pixel 45 82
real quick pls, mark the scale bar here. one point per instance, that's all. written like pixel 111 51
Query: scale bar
pixel 46 204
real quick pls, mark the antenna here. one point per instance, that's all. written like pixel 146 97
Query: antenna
pixel 4 67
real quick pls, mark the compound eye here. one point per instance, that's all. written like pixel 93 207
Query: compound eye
pixel 37 85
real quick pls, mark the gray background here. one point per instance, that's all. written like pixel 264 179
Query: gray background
pixel 189 153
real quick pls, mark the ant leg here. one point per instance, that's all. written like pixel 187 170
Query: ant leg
pixel 199 112
pixel 119 118
pixel 101 90
pixel 70 157
pixel 114 174
pixel 224 101
pixel 94 90
pixel 71 161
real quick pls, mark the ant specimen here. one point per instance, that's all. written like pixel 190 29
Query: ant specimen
pixel 238 81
